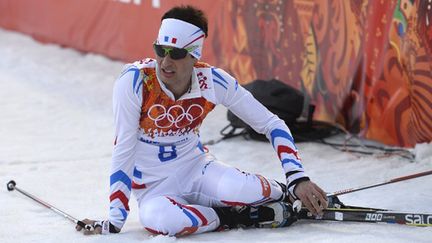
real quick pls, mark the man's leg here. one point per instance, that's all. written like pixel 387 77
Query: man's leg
pixel 238 198
pixel 214 197
pixel 213 183
pixel 173 216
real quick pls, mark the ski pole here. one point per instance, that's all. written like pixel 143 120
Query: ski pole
pixel 402 178
pixel 11 185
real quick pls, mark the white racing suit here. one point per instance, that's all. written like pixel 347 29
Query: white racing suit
pixel 158 155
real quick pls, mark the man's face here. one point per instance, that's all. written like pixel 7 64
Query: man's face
pixel 172 71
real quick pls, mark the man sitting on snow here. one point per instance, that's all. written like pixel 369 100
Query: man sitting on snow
pixel 159 105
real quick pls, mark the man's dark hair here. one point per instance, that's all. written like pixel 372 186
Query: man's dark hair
pixel 188 14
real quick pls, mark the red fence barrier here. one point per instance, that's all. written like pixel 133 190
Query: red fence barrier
pixel 365 64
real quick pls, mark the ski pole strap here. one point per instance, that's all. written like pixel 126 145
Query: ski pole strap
pixel 291 185
pixel 107 227
pixel 84 226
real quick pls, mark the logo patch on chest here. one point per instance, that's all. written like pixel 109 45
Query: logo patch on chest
pixel 175 116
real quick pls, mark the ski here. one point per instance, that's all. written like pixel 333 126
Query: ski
pixel 370 215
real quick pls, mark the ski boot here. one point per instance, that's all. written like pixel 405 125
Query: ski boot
pixel 272 215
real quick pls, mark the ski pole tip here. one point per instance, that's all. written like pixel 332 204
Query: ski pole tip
pixel 11 185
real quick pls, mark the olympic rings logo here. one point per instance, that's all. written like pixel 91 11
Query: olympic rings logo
pixel 175 115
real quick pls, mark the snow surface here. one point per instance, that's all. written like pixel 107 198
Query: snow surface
pixel 56 138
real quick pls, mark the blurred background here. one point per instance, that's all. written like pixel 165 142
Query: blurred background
pixel 364 64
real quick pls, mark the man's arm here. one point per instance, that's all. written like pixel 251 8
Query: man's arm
pixel 127 99
pixel 246 107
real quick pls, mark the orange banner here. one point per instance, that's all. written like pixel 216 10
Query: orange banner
pixel 365 64
pixel 120 29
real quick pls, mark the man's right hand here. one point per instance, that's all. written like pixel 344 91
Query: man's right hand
pixel 97 227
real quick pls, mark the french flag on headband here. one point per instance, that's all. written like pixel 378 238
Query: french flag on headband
pixel 186 36
pixel 170 39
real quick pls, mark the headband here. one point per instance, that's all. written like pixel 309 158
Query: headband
pixel 181 34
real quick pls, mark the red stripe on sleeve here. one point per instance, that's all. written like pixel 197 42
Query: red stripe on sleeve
pixel 285 149
pixel 138 186
pixel 122 197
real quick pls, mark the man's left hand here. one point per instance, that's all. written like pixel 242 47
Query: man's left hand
pixel 311 196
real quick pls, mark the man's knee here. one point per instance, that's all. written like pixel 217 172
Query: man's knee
pixel 161 216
